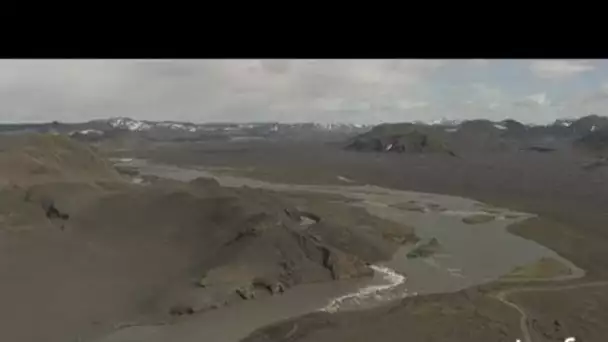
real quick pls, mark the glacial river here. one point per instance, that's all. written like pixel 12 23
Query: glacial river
pixel 470 254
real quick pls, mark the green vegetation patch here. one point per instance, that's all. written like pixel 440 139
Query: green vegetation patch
pixel 425 250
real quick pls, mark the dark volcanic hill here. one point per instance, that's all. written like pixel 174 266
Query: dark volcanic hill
pixel 401 138
pixel 482 135
pixel 588 124
pixel 474 135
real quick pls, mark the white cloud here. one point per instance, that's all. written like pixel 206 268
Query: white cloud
pixel 540 98
pixel 200 90
pixel 532 102
pixel 407 104
pixel 287 90
pixel 559 69
pixel 485 93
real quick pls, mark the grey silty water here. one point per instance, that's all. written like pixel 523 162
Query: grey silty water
pixel 471 254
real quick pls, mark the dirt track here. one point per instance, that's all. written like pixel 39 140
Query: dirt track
pixel 502 296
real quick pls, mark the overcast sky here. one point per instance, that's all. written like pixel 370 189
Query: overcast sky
pixel 359 91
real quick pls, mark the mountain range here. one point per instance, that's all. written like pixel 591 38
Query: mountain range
pixel 173 130
pixel 588 133
pixel 447 136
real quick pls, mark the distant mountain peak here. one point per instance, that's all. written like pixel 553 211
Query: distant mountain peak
pixel 128 123
pixel 446 122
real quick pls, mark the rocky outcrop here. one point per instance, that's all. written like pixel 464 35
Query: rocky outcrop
pixel 303 217
pixel 47 204
pixel 345 266
pixel 274 287
pixel 52 212
pixel 246 292
pixel 180 310
pixel 271 253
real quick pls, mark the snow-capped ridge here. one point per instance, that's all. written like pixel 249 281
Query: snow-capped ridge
pixel 87 132
pixel 564 122
pixel 177 126
pixel 128 123
pixel 138 125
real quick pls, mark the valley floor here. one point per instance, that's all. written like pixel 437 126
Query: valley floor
pixel 569 201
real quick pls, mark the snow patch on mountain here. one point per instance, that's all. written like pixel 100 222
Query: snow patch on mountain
pixel 177 126
pixel 564 122
pixel 138 125
pixel 446 122
pixel 130 124
pixel 87 132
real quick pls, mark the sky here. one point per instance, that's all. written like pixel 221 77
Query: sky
pixel 357 91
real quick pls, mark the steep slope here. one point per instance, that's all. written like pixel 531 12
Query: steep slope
pixel 34 158
pixel 82 245
pixel 152 252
